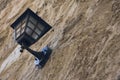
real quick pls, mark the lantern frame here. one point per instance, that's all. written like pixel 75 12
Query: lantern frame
pixel 23 22
pixel 26 38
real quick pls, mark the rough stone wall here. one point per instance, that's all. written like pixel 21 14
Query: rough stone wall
pixel 85 39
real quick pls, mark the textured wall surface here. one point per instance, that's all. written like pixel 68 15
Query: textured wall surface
pixel 85 39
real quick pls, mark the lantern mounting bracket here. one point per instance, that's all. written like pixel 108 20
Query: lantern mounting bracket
pixel 39 54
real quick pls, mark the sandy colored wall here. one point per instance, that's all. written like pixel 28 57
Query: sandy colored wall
pixel 85 39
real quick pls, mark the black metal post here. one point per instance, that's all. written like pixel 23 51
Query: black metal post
pixel 39 55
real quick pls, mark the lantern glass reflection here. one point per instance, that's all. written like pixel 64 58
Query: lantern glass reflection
pixel 20 28
pixel 41 27
pixel 29 31
pixel 33 20
pixel 34 35
pixel 31 25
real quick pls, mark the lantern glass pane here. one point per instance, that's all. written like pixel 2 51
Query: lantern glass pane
pixel 18 26
pixel 18 30
pixel 22 30
pixel 31 25
pixel 34 35
pixel 38 31
pixel 23 24
pixel 41 27
pixel 29 31
pixel 18 34
pixel 34 21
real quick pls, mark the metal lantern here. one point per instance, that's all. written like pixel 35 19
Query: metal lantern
pixel 29 28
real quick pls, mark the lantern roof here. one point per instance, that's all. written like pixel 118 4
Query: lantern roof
pixel 25 14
